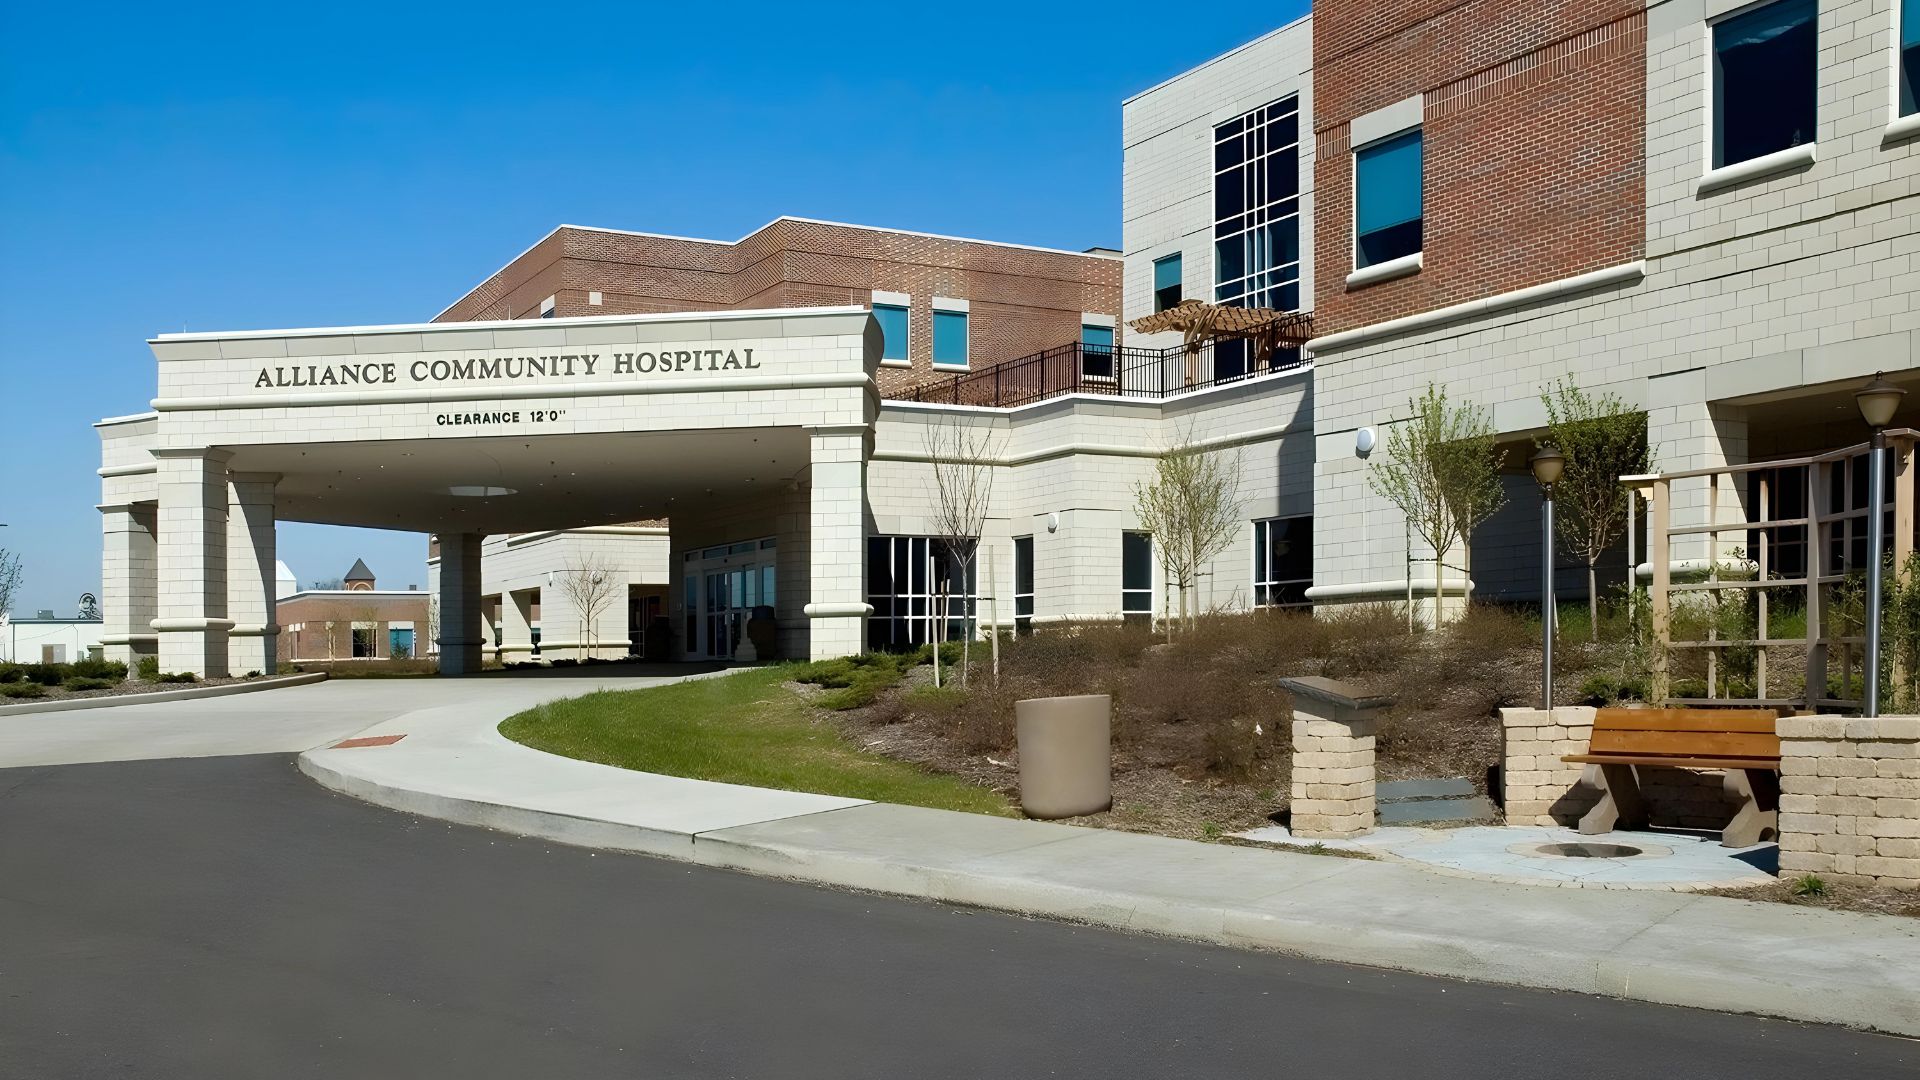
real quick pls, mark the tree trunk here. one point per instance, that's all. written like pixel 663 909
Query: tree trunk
pixel 934 636
pixel 1593 601
pixel 1439 567
pixel 966 639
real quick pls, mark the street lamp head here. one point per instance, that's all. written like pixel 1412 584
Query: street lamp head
pixel 1878 400
pixel 1547 465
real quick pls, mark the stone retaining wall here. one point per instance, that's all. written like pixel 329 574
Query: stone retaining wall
pixel 1850 798
pixel 1540 789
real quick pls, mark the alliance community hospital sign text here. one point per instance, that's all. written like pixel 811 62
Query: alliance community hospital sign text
pixel 509 368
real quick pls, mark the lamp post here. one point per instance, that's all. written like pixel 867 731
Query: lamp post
pixel 1547 464
pixel 1877 400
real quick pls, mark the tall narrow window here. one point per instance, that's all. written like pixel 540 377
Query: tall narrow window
pixel 1096 351
pixel 893 331
pixel 1136 575
pixel 1387 210
pixel 1023 585
pixel 1166 282
pixel 950 338
pixel 1765 81
pixel 1909 59
pixel 1256 221
pixel 1282 561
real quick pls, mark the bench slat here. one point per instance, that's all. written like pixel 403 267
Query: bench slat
pixel 1771 764
pixel 1749 720
pixel 1686 743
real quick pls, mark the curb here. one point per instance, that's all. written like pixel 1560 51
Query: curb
pixel 111 700
pixel 1650 970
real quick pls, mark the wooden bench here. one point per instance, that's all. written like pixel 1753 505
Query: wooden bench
pixel 1740 741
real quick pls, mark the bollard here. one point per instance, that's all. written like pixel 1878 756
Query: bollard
pixel 1066 755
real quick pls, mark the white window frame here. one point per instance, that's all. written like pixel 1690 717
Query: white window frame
pixel 1094 318
pixel 882 298
pixel 1260 561
pixel 1899 127
pixel 1714 178
pixel 954 306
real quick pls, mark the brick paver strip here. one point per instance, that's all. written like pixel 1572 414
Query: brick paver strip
pixel 370 740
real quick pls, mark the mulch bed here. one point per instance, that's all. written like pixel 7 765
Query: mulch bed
pixel 1837 897
pixel 130 686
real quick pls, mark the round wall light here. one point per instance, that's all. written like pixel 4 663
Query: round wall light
pixel 1363 441
pixel 1053 522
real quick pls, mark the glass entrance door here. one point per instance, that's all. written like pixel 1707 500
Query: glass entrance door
pixel 725 584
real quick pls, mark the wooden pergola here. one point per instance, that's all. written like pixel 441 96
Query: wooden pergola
pixel 1266 329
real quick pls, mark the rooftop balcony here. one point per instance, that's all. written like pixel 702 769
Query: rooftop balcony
pixel 1105 369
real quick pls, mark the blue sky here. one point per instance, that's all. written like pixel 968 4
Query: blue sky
pixel 167 167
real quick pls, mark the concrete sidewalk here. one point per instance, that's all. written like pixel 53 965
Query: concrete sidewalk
pixel 1710 952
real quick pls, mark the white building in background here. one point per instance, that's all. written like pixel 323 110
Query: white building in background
pixel 48 639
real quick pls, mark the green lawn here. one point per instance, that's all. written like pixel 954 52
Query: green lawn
pixel 739 729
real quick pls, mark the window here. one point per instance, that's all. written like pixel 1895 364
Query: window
pixel 1256 221
pixel 1764 81
pixel 1282 561
pixel 1136 576
pixel 1096 351
pixel 1166 282
pixel 1387 222
pixel 1023 585
pixel 950 338
pixel 905 577
pixel 893 331
pixel 1909 61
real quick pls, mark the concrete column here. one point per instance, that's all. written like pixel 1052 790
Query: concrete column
pixel 253 643
pixel 837 607
pixel 516 624
pixel 192 621
pixel 460 612
pixel 1333 763
pixel 129 579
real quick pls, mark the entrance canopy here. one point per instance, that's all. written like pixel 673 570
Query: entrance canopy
pixel 514 484
pixel 728 423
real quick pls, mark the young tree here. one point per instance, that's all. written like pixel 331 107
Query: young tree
pixel 1602 439
pixel 963 456
pixel 1442 469
pixel 588 583
pixel 10 576
pixel 1192 508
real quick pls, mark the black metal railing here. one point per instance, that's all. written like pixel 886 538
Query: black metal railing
pixel 1115 371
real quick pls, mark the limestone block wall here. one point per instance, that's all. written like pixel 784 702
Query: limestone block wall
pixel 1332 789
pixel 1539 788
pixel 1850 798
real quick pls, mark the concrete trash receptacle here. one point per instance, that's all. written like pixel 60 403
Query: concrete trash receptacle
pixel 1066 755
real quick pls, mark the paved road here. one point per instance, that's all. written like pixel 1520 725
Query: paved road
pixel 219 917
pixel 289 720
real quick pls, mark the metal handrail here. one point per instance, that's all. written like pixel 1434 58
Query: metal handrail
pixel 1115 371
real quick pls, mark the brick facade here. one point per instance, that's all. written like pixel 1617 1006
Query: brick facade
pixel 1533 124
pixel 1021 299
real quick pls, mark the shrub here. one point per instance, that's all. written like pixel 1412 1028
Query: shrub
pixel 81 683
pixel 12 673
pixel 47 674
pixel 567 662
pixel 854 681
pixel 149 668
pixel 22 690
pixel 176 677
pixel 1809 885
pixel 91 668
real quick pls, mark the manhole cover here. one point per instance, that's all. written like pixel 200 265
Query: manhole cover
pixel 1588 851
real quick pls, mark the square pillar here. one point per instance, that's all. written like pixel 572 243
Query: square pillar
pixel 1333 768
pixel 252 573
pixel 129 582
pixel 516 624
pixel 1537 787
pixel 837 607
pixel 461 617
pixel 1850 799
pixel 192 543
